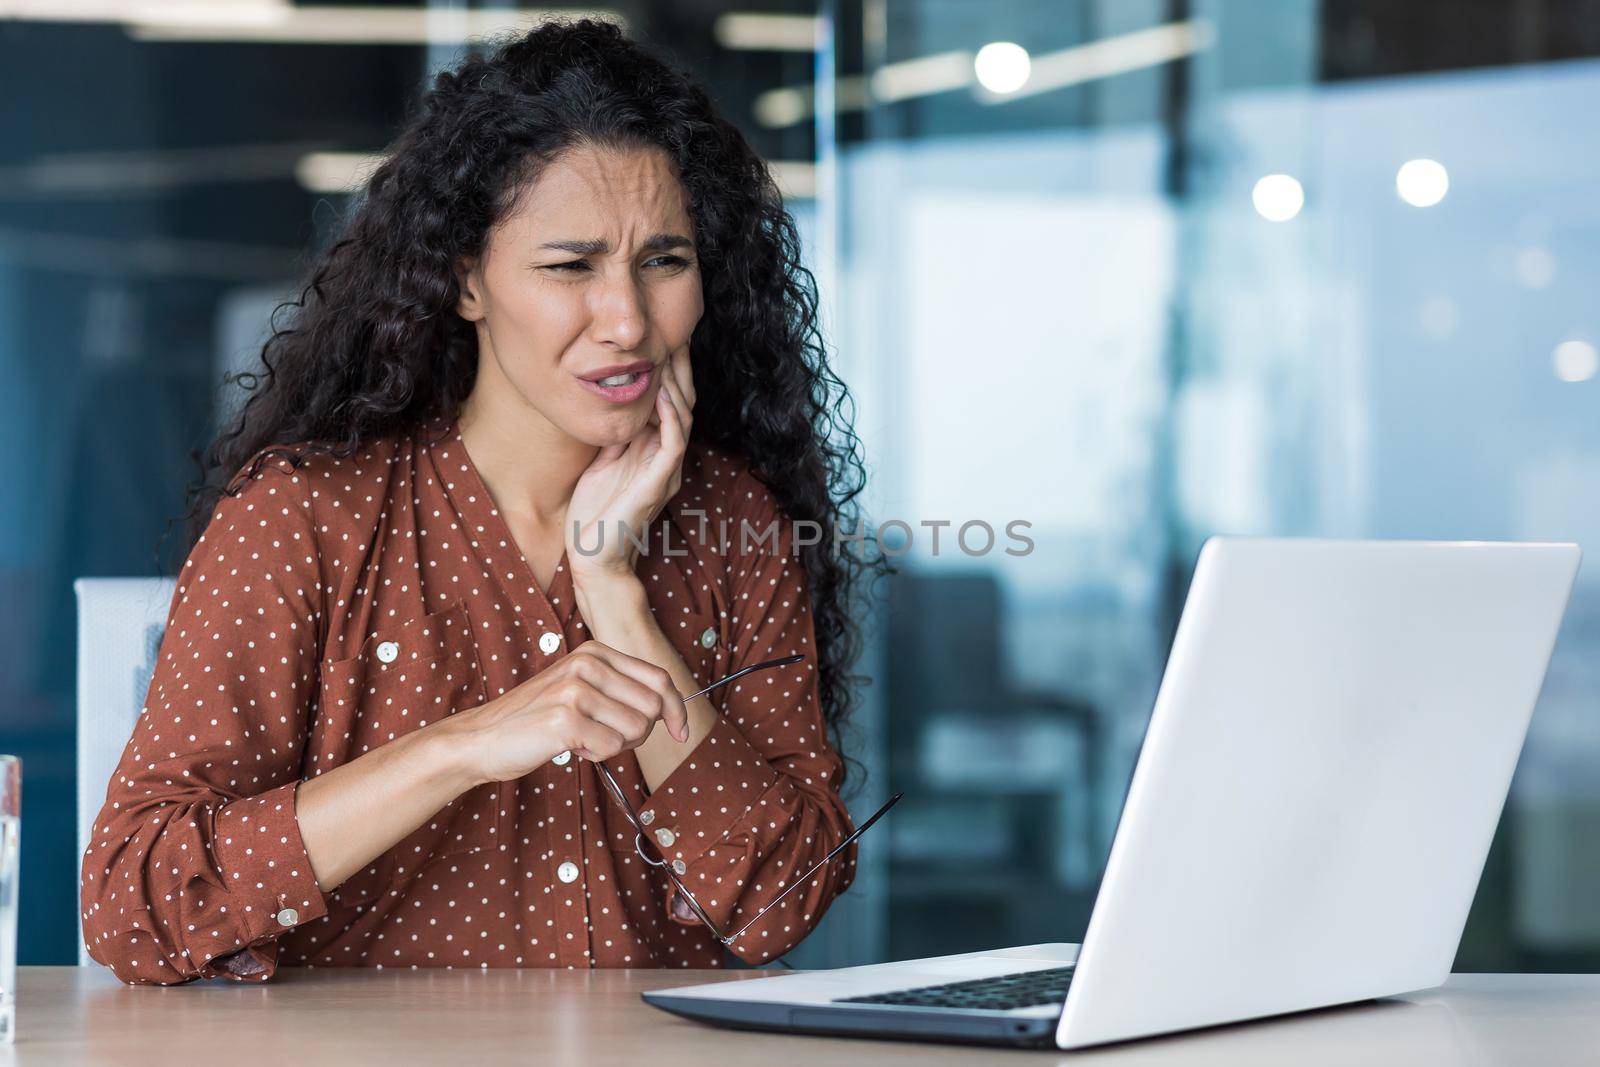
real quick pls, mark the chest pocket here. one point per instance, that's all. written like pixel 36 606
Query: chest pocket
pixel 408 674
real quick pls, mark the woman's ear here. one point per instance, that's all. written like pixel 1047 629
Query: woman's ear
pixel 470 305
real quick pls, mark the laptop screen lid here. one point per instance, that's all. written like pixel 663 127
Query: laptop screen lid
pixel 1328 756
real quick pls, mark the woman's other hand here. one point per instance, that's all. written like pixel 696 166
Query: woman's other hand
pixel 596 703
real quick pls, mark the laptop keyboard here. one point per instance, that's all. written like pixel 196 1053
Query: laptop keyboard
pixel 1000 993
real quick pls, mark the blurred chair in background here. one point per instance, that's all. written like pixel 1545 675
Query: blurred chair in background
pixel 120 623
pixel 1001 782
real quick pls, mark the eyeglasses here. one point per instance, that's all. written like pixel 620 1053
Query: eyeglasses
pixel 655 859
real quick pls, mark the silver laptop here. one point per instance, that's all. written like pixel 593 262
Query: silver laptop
pixel 1325 765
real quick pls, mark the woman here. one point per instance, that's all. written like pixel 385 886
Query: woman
pixel 484 530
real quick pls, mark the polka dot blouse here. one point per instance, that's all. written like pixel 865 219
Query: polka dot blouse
pixel 331 609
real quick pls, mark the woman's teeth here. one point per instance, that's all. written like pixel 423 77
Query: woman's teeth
pixel 619 379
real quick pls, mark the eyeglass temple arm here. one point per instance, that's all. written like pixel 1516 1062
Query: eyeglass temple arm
pixel 785 661
pixel 840 847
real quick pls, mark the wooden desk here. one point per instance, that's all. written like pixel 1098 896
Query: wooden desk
pixel 71 1015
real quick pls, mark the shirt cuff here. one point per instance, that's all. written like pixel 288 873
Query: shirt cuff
pixel 704 798
pixel 266 871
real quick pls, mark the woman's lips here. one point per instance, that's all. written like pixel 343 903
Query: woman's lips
pixel 622 394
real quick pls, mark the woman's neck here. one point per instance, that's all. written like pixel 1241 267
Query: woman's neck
pixel 529 464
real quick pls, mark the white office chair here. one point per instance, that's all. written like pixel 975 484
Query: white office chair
pixel 120 623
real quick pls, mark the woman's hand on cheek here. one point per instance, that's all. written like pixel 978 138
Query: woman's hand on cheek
pixel 626 486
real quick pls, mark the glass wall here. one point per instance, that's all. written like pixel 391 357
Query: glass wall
pixel 1228 267
pixel 1106 277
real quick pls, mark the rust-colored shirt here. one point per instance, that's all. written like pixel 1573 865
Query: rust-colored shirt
pixel 331 609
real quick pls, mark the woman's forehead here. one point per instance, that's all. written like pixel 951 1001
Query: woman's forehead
pixel 606 192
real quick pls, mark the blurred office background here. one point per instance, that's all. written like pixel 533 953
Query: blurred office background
pixel 1133 271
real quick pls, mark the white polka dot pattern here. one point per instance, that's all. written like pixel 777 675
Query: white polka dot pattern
pixel 330 609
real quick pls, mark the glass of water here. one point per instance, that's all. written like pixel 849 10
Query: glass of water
pixel 10 857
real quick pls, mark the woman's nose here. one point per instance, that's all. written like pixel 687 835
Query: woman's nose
pixel 620 314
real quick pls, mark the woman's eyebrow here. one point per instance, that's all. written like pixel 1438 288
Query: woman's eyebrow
pixel 596 246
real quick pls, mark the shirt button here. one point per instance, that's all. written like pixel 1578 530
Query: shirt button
pixel 666 837
pixel 567 872
pixel 708 637
pixel 388 651
pixel 549 641
pixel 680 867
pixel 647 817
pixel 561 760
pixel 288 917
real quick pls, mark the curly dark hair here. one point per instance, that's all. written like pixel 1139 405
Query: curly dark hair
pixel 376 348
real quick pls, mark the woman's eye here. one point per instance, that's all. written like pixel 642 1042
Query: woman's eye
pixel 578 266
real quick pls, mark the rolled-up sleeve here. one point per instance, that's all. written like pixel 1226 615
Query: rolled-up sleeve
pixel 195 866
pixel 757 804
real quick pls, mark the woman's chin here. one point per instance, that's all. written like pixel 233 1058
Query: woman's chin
pixel 617 428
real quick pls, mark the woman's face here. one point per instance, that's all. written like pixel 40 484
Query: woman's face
pixel 584 292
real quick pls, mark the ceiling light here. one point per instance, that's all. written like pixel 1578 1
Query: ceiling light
pixel 1113 55
pixel 1001 67
pixel 921 77
pixel 1422 182
pixel 335 172
pixel 753 32
pixel 279 22
pixel 1575 361
pixel 1536 267
pixel 351 25
pixel 1278 197
pixel 947 71
pixel 796 179
pixel 115 11
pixel 149 172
